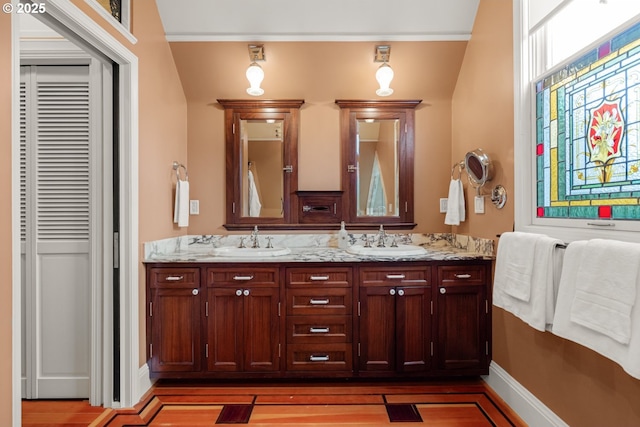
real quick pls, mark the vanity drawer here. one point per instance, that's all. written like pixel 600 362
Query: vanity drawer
pixel 321 276
pixel 319 357
pixel 259 276
pixel 462 274
pixel 318 301
pixel 174 277
pixel 384 276
pixel 318 329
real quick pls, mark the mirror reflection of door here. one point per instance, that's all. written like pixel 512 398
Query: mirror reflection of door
pixel 378 177
pixel 262 168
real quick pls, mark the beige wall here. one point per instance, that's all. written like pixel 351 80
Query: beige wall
pixel 580 386
pixel 6 318
pixel 319 73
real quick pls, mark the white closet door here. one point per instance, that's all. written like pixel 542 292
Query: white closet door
pixel 56 221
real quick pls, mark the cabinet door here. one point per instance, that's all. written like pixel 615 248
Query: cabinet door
pixel 377 328
pixel 261 330
pixel 462 328
pixel 413 329
pixel 175 330
pixel 225 324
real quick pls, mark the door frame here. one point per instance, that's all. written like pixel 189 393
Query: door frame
pixel 69 20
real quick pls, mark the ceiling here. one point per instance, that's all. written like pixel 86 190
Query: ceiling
pixel 326 20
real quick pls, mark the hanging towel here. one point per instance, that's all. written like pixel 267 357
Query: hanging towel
pixel 527 277
pixel 455 203
pixel 181 208
pixel 626 355
pixel 606 285
pixel 254 198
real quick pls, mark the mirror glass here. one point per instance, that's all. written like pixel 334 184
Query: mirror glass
pixel 261 154
pixel 377 167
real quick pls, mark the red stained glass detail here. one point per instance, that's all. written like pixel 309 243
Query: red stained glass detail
pixel 539 149
pixel 604 50
pixel 604 211
pixel 540 213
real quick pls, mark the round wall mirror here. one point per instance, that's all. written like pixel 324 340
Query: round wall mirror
pixel 478 166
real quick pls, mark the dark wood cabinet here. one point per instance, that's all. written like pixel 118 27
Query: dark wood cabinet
pixel 464 327
pixel 243 320
pixel 395 318
pixel 174 320
pixel 341 319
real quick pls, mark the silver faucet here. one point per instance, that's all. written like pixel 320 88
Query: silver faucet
pixel 382 235
pixel 254 238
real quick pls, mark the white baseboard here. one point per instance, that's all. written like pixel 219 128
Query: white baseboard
pixel 144 380
pixel 522 401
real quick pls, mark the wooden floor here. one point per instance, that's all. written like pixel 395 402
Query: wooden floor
pixel 296 404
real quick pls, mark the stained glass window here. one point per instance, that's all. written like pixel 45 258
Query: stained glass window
pixel 114 8
pixel 588 134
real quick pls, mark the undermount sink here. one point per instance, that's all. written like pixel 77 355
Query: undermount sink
pixel 388 251
pixel 234 251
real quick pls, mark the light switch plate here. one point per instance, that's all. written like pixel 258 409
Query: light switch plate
pixel 194 207
pixel 478 204
pixel 443 205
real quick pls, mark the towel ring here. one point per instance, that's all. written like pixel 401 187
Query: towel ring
pixel 460 167
pixel 176 167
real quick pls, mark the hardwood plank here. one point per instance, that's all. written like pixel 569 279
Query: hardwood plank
pixel 325 399
pixel 299 415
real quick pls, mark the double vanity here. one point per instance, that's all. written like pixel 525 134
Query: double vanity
pixel 297 306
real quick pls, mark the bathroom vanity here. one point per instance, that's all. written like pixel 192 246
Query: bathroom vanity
pixel 318 312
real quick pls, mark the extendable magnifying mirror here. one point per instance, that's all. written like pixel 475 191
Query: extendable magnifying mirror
pixel 478 166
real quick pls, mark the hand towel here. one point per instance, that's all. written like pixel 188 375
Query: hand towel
pixel 532 299
pixel 455 203
pixel 626 355
pixel 181 208
pixel 254 198
pixel 606 285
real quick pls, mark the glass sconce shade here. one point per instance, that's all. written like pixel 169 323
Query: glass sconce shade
pixel 255 75
pixel 384 75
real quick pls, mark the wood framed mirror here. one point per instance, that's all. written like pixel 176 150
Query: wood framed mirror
pixel 377 160
pixel 261 138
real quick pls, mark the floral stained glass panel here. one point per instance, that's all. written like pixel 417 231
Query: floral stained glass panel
pixel 588 134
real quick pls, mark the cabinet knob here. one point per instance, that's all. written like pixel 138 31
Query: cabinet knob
pixel 195 292
pixel 443 290
pixel 239 292
pixel 245 292
pixel 392 291
pixel 401 292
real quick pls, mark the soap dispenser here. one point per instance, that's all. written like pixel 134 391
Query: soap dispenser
pixel 343 237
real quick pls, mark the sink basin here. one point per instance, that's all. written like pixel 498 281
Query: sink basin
pixel 234 251
pixel 400 251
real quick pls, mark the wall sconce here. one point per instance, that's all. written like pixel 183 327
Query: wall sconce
pixel 255 74
pixel 384 75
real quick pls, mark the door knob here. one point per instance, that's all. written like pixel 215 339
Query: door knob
pixel 195 292
pixel 443 290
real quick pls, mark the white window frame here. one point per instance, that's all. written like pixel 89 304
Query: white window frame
pixel 124 25
pixel 524 158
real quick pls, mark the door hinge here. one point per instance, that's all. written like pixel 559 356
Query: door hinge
pixel 486 348
pixel 233 207
pixel 233 128
pixel 432 308
pixel 116 249
pixel 431 348
pixel 206 350
pixel 486 306
pixel 150 351
pixel 279 350
pixel 151 309
pixel 358 308
pixel 406 206
pixel 206 308
pixel 279 315
pixel 358 349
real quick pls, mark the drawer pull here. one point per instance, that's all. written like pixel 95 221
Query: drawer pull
pixel 443 291
pixel 174 278
pixel 395 276
pixel 318 358
pixel 319 330
pixel 318 278
pixel 242 278
pixel 462 276
pixel 314 301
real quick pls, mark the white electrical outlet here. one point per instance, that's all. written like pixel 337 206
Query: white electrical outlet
pixel 478 204
pixel 194 207
pixel 443 205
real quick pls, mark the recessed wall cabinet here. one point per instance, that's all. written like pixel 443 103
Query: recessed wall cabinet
pixel 377 140
pixel 339 320
pixel 261 139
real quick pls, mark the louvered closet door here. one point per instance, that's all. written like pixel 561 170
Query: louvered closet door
pixel 56 183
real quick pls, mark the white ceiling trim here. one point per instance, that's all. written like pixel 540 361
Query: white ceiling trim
pixel 248 37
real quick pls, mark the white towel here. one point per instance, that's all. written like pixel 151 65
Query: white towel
pixel 181 207
pixel 626 355
pixel 254 198
pixel 455 204
pixel 606 285
pixel 527 276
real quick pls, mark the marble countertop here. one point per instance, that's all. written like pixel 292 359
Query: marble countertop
pixel 314 248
